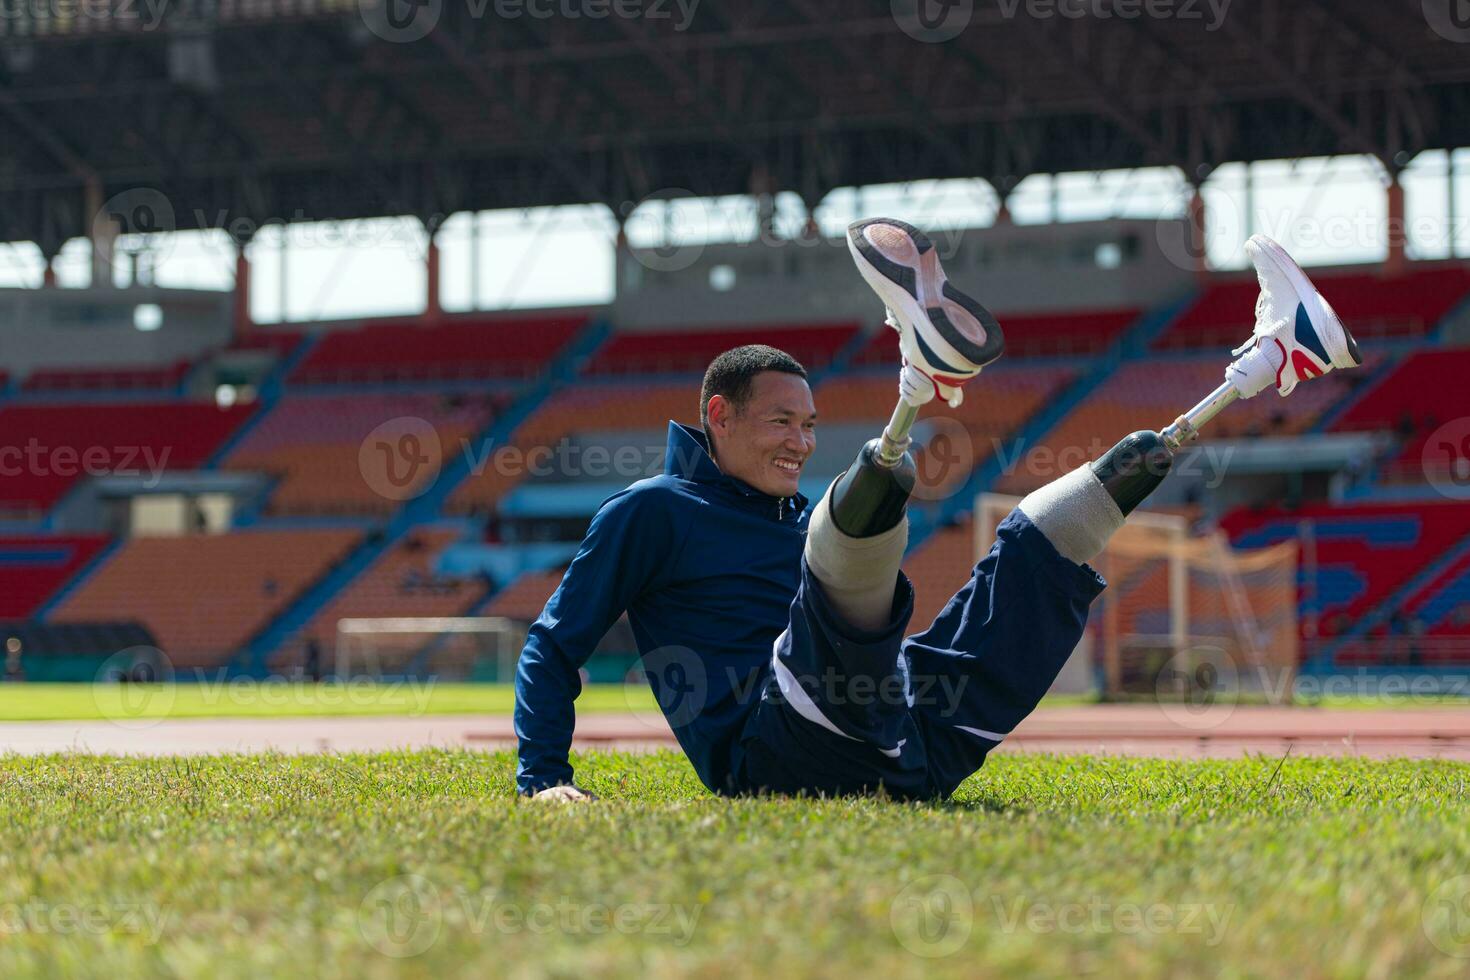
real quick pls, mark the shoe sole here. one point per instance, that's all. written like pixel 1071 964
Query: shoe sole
pixel 907 276
pixel 1334 333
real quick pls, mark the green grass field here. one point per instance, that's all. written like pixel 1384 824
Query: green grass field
pixel 425 865
pixel 281 698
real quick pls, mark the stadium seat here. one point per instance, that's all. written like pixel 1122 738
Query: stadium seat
pixel 74 440
pixel 996 405
pixel 1364 553
pixel 462 348
pixel 205 596
pixel 312 443
pixel 523 599
pixel 143 378
pixel 938 569
pixel 1057 334
pixel 611 407
pixel 690 351
pixel 33 568
pixel 401 582
pixel 1371 306
pixel 1421 394
pixel 1150 394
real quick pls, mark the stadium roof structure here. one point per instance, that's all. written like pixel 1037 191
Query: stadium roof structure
pixel 248 111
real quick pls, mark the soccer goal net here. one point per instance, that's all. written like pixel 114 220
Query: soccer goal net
pixel 451 649
pixel 1184 616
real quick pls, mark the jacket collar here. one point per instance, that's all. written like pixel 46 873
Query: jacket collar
pixel 687 457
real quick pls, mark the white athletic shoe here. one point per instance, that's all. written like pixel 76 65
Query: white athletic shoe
pixel 945 336
pixel 1297 335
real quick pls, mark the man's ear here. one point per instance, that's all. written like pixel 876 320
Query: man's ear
pixel 718 412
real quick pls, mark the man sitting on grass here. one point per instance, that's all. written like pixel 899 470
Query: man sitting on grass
pixel 775 641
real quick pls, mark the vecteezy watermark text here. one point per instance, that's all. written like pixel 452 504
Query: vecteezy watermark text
pixel 405 915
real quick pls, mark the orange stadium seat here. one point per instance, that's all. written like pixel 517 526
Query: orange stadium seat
pixel 312 443
pixel 400 583
pixel 204 596
pixel 1057 334
pixel 938 569
pixel 585 408
pixel 523 599
pixel 1150 395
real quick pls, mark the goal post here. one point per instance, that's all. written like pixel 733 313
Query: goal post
pixel 464 648
pixel 1184 614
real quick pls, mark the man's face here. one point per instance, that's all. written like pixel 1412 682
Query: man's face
pixel 769 440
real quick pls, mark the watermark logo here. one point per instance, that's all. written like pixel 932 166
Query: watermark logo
pixel 1446 917
pixel 932 917
pixel 40 917
pixel 401 21
pixel 1446 459
pixel 946 458
pixel 680 685
pixel 1450 19
pixel 678 219
pixel 932 21
pixel 402 916
pixel 134 688
pixel 400 459
pixel 140 211
pixel 1198 688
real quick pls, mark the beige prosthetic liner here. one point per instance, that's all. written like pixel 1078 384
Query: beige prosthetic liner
pixel 1076 513
pixel 859 575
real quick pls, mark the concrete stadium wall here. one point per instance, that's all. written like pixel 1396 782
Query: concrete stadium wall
pixel 1012 269
pixel 78 328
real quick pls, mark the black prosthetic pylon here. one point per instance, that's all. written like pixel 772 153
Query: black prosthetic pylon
pixel 1134 468
pixel 870 498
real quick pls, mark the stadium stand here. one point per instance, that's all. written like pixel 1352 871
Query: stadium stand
pixel 523 599
pixel 690 351
pixel 312 443
pixel 33 568
pixel 1060 334
pixel 204 596
pixel 282 342
pixel 142 378
pixel 402 582
pixel 1148 394
pixel 1371 306
pixel 938 568
pixel 1420 394
pixel 69 441
pixel 612 407
pixel 461 348
pixel 1443 604
pixel 1363 553
pixel 995 406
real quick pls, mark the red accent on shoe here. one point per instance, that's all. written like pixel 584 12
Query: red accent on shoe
pixel 1304 367
pixel 1283 362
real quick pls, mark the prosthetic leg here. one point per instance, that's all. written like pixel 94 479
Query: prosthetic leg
pixel 1135 467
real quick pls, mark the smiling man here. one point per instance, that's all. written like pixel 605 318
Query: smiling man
pixel 775 641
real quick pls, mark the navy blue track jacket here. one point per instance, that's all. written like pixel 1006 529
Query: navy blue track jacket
pixel 706 568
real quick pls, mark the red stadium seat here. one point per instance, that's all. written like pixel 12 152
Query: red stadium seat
pixel 45 449
pixel 459 348
pixel 33 568
pixel 1371 306
pixel 690 351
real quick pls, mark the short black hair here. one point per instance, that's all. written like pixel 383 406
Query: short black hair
pixel 732 374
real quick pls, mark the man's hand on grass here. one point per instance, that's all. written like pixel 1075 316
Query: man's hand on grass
pixel 565 794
